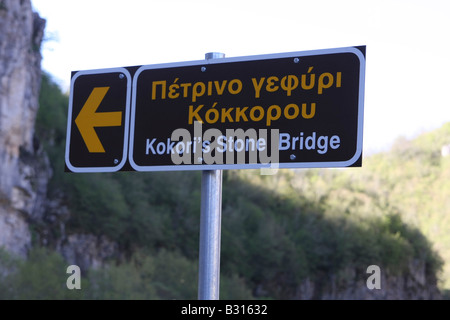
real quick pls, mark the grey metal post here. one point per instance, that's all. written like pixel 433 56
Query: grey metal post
pixel 210 228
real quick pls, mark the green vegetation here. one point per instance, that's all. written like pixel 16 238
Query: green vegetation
pixel 277 230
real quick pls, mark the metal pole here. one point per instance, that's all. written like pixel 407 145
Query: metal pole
pixel 210 228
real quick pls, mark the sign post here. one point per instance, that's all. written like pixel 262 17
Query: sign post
pixel 210 228
pixel 210 234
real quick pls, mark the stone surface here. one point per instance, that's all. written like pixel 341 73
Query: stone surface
pixel 88 251
pixel 24 171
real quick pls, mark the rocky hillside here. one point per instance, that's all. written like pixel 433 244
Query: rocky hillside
pixel 24 167
pixel 307 234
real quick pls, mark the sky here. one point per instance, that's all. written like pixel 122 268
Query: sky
pixel 407 45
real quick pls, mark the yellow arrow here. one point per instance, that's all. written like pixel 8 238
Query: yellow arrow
pixel 87 119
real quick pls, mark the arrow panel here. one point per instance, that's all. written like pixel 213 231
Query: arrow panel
pixel 97 130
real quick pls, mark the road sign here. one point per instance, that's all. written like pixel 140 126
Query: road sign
pixel 289 110
pixel 292 110
pixel 98 120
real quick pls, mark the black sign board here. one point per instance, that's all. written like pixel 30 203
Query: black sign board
pixel 290 110
pixel 98 120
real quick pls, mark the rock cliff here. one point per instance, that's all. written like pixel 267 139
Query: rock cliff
pixel 24 168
